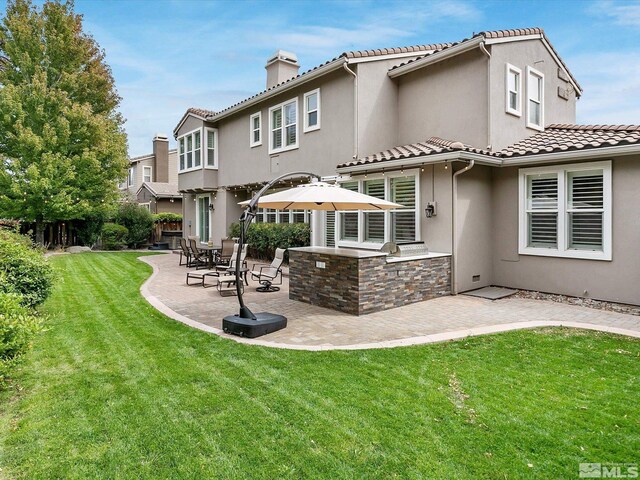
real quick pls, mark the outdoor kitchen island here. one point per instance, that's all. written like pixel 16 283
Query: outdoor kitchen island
pixel 365 281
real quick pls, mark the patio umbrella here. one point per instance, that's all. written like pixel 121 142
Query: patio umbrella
pixel 321 196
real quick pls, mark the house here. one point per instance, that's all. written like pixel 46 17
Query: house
pixel 477 139
pixel 152 179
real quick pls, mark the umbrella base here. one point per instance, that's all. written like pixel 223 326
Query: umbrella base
pixel 264 323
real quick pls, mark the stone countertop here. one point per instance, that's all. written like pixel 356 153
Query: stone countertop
pixel 392 259
pixel 340 252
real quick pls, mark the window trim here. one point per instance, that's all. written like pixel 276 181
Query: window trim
pixel 533 72
pixel 361 243
pixel 306 127
pixel 131 177
pixel 281 106
pixel 253 130
pixel 185 135
pixel 205 148
pixel 144 169
pixel 563 249
pixel 517 111
pixel 198 197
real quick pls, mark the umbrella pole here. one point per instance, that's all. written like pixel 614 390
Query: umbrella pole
pixel 246 323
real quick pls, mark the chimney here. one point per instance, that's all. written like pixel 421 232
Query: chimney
pixel 281 66
pixel 161 158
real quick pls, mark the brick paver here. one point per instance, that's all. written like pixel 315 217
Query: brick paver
pixel 312 326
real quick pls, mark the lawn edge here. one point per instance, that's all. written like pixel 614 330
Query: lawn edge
pixel 403 342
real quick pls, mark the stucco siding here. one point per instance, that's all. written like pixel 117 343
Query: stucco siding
pixel 435 185
pixel 507 128
pixel 318 151
pixel 447 99
pixel 474 229
pixel 377 107
pixel 617 280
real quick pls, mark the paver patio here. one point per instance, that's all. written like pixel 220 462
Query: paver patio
pixel 312 327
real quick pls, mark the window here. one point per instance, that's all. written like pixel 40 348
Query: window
pixel 513 84
pixel 283 125
pixel 203 218
pixel 535 99
pixel 375 227
pixel 312 110
pixel 146 174
pixel 282 216
pixel 565 211
pixel 131 179
pixel 146 206
pixel 190 151
pixel 211 159
pixel 255 129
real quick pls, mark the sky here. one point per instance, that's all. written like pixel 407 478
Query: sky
pixel 169 55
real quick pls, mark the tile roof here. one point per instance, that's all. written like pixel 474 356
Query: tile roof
pixel 202 112
pixel 556 138
pixel 516 32
pixel 429 147
pixel 393 51
pixel 569 137
pixel 162 189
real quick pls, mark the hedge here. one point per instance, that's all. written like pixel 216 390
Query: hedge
pixel 17 325
pixel 23 269
pixel 114 236
pixel 165 217
pixel 264 238
pixel 25 281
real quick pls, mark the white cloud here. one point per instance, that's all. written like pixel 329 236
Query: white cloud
pixel 610 81
pixel 627 13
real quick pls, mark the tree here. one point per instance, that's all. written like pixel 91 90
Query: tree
pixel 62 143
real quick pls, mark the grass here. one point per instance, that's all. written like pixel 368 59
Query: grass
pixel 113 389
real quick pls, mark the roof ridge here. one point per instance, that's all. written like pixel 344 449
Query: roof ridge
pixel 603 127
pixel 391 50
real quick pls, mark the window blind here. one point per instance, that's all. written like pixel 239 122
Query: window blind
pixel 586 209
pixel 330 229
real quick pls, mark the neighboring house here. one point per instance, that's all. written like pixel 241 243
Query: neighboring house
pixel 480 132
pixel 152 179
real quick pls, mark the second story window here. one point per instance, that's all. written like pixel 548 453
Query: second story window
pixel 513 83
pixel 312 110
pixel 212 148
pixel 190 150
pixel 283 126
pixel 255 129
pixel 146 174
pixel 131 179
pixel 535 99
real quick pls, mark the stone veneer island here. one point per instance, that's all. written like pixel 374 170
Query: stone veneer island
pixel 364 281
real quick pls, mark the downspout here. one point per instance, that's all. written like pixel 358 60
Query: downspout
pixel 345 65
pixel 454 229
pixel 486 52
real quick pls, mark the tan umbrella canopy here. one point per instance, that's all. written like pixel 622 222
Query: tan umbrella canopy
pixel 321 196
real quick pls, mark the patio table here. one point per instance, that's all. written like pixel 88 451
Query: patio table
pixel 211 251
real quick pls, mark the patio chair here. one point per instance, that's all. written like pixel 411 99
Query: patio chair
pixel 200 276
pixel 230 268
pixel 268 274
pixel 226 252
pixel 200 257
pixel 184 252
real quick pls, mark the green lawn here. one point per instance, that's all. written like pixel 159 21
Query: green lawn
pixel 113 389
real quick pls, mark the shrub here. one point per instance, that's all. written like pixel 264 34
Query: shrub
pixel 114 236
pixel 166 217
pixel 89 229
pixel 138 221
pixel 23 269
pixel 17 324
pixel 264 238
